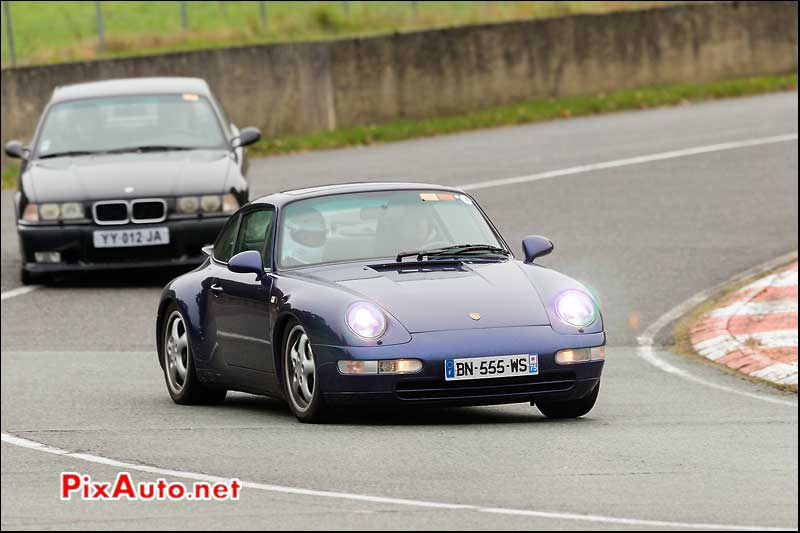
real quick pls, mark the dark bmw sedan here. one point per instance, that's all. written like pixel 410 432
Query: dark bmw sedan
pixel 127 173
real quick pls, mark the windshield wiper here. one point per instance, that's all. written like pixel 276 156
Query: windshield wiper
pixel 69 153
pixel 455 250
pixel 150 148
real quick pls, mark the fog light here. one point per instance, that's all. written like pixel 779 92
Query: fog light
pixel 389 366
pixel 580 355
pixel 47 257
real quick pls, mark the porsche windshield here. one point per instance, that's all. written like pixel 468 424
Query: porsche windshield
pixel 349 227
pixel 120 123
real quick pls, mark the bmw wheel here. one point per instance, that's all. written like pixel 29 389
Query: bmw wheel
pixel 300 376
pixel 182 383
pixel 571 408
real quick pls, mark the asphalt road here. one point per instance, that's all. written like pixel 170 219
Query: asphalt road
pixel 79 370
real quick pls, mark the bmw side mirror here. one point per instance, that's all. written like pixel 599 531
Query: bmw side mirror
pixel 246 137
pixel 536 246
pixel 248 262
pixel 16 150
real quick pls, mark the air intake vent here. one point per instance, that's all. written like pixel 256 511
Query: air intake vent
pixel 148 211
pixel 111 212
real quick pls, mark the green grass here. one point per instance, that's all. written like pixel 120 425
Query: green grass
pixel 48 31
pixel 9 175
pixel 523 113
pixel 526 112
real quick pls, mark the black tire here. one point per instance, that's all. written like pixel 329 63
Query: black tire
pixel 29 278
pixel 179 374
pixel 309 410
pixel 571 408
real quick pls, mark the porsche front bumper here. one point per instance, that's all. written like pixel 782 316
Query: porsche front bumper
pixel 553 382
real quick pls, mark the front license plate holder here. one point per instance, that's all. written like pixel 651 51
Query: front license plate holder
pixel 496 366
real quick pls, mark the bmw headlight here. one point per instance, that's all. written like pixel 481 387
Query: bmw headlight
pixel 188 205
pixel 208 203
pixel 51 212
pixel 576 308
pixel 366 320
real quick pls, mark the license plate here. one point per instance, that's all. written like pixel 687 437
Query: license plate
pixel 500 366
pixel 122 238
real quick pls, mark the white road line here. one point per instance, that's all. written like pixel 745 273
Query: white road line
pixel 19 291
pixel 637 160
pixel 182 474
pixel 647 339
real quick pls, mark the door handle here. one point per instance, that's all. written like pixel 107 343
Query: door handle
pixel 216 290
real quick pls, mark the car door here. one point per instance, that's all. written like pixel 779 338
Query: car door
pixel 242 302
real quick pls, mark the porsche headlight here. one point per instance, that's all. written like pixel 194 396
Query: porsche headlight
pixel 366 320
pixel 576 308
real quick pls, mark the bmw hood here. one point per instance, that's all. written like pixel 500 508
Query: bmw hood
pixel 134 175
pixel 436 298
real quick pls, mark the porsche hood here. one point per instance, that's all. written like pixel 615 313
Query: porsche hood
pixel 436 298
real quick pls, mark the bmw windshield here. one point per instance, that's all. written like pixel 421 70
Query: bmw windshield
pixel 129 123
pixel 384 224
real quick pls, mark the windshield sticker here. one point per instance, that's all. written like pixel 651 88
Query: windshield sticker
pixel 190 97
pixel 429 197
pixel 446 197
pixel 466 199
pixel 45 145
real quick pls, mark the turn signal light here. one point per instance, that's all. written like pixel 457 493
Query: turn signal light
pixel 580 355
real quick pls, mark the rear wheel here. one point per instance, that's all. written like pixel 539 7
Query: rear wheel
pixel 571 408
pixel 300 376
pixel 182 383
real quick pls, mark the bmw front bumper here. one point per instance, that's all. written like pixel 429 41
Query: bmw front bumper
pixel 75 243
pixel 554 382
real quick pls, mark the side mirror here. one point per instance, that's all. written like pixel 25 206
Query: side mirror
pixel 246 137
pixel 248 262
pixel 536 246
pixel 16 150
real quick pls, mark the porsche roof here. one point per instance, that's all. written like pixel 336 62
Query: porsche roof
pixel 130 86
pixel 354 187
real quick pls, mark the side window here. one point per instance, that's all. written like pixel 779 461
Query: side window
pixel 256 230
pixel 223 248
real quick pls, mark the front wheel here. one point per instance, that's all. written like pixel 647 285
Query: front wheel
pixel 29 278
pixel 182 383
pixel 571 408
pixel 300 376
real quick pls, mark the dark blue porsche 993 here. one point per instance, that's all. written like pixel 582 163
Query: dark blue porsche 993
pixel 399 293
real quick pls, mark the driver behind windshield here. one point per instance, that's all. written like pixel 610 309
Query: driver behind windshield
pixel 305 238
